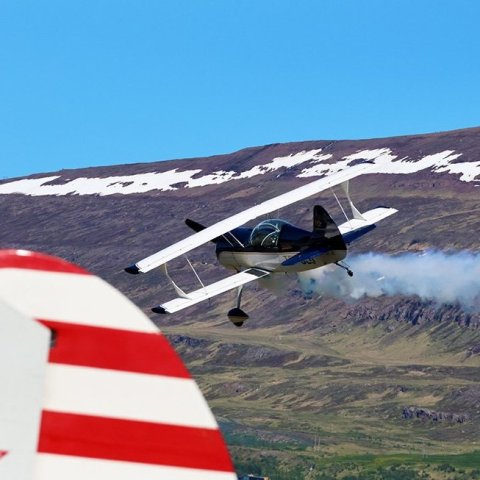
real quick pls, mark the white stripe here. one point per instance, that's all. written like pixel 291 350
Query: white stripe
pixel 23 367
pixel 60 467
pixel 69 297
pixel 133 396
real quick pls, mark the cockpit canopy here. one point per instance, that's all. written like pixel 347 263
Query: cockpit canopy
pixel 267 233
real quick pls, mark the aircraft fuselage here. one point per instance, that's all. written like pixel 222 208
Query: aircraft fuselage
pixel 272 261
pixel 277 246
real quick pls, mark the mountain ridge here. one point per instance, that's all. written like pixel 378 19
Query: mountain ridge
pixel 276 149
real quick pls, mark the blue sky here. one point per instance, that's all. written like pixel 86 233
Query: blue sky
pixel 85 83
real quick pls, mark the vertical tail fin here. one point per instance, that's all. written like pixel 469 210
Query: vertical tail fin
pixel 324 228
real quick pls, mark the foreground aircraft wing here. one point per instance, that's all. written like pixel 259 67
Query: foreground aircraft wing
pixel 212 290
pixel 91 389
pixel 224 226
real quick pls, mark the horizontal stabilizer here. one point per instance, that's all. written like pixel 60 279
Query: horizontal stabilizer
pixel 209 291
pixel 355 228
pixel 304 256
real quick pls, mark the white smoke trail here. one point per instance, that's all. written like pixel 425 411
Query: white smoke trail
pixel 445 278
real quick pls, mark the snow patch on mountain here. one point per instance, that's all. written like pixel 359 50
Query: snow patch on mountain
pixel 211 179
pixel 145 182
pixel 285 162
pixel 467 171
pixel 386 162
pixel 368 154
pixel 435 162
pixel 383 158
pixel 125 184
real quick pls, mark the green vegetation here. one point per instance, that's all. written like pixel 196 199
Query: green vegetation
pixel 328 403
pixel 362 467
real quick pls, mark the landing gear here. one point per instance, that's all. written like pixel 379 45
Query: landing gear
pixel 345 267
pixel 236 315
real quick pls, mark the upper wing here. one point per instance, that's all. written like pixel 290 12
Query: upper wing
pixel 209 233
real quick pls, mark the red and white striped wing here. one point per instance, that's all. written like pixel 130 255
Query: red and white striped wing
pixel 118 403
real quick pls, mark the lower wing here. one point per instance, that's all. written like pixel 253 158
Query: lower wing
pixel 209 291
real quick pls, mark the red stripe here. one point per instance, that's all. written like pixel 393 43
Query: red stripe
pixel 3 453
pixel 37 261
pixel 132 441
pixel 123 350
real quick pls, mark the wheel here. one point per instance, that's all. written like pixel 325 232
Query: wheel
pixel 237 316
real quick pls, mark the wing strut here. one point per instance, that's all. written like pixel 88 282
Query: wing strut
pixel 194 271
pixel 355 212
pixel 179 291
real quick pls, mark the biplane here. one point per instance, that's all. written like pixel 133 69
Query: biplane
pixel 273 247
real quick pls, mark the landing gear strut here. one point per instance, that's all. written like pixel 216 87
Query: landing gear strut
pixel 236 315
pixel 345 267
